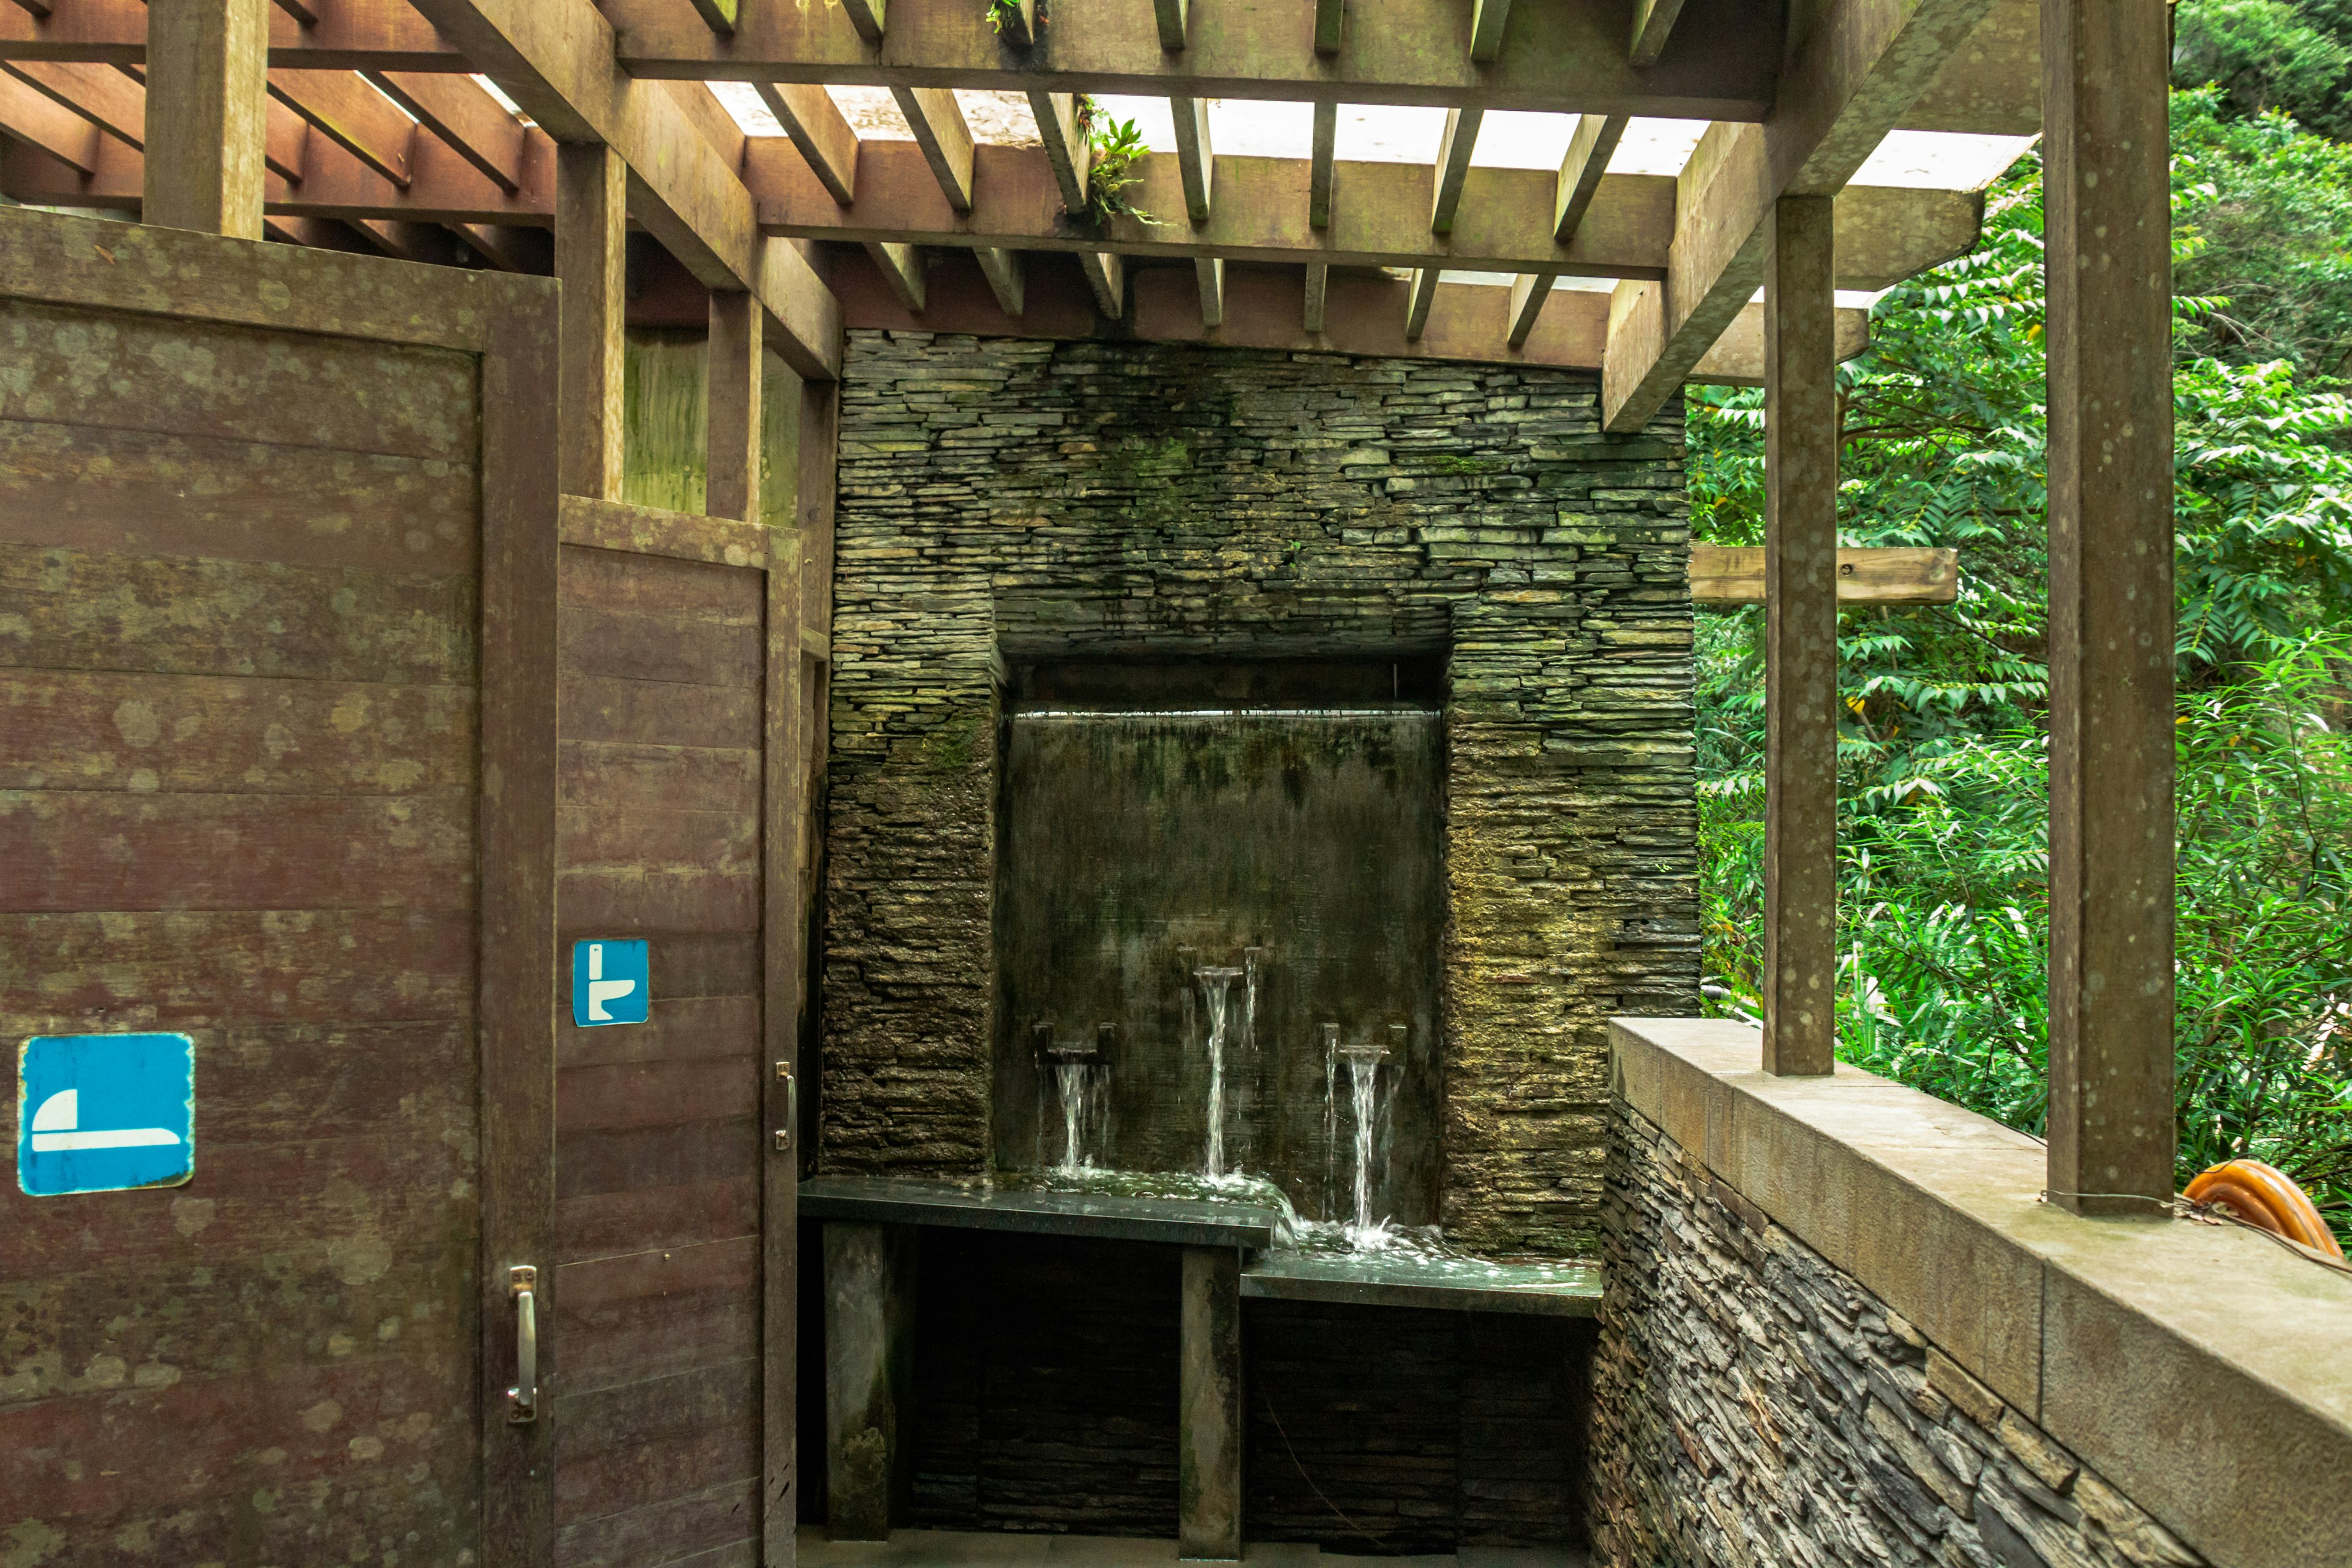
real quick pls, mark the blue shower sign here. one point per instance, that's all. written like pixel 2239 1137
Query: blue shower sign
pixel 610 983
pixel 105 1113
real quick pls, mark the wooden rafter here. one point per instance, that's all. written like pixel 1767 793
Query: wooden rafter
pixel 938 122
pixel 816 127
pixel 1864 67
pixel 462 112
pixel 1195 155
pixel 555 58
pixel 353 114
pixel 1454 149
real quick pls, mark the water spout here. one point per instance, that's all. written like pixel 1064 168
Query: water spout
pixel 1073 1072
pixel 1216 991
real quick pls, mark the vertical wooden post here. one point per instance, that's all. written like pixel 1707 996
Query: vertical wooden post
pixel 1801 461
pixel 732 473
pixel 207 105
pixel 1209 1427
pixel 869 1345
pixel 592 231
pixel 2108 258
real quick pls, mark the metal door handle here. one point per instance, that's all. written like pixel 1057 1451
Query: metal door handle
pixel 522 1399
pixel 791 1106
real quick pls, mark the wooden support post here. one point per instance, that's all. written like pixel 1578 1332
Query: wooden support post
pixel 2111 605
pixel 731 378
pixel 207 105
pixel 592 231
pixel 1800 456
pixel 1209 1408
pixel 869 1345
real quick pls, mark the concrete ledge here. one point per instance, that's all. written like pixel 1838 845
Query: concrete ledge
pixel 1537 1289
pixel 2201 1369
pixel 1182 1222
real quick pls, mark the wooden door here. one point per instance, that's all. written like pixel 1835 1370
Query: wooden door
pixel 674 1200
pixel 278 773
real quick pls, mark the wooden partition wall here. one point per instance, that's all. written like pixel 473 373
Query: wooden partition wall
pixel 325 728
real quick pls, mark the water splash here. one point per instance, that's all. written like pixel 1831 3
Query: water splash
pixel 1216 991
pixel 1079 1081
pixel 1330 1117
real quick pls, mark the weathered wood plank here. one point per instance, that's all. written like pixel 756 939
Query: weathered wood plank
pixel 152 373
pixel 678 1029
pixel 108 849
pixel 659 779
pixel 652 531
pixel 73 730
pixel 666 898
pixel 179 970
pixel 660 647
pixel 662 1310
pixel 659 714
pixel 717 597
pixel 640 1159
pixel 591 1225
pixel 1734 574
pixel 655 1094
pixel 680 1529
pixel 636 1443
pixel 138 492
pixel 81 611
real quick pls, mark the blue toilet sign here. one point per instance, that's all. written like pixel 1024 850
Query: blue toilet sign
pixel 105 1113
pixel 610 983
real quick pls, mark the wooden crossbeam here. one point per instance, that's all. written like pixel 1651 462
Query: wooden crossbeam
pixel 1859 71
pixel 1731 575
pixel 1260 307
pixel 1264 211
pixel 1553 56
pixel 555 58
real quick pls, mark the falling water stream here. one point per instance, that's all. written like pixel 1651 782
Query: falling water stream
pixel 1216 987
pixel 1071 1064
pixel 1363 1086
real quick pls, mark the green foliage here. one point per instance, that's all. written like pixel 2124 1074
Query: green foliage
pixel 1118 146
pixel 1004 13
pixel 2263 214
pixel 1942 754
pixel 2268 55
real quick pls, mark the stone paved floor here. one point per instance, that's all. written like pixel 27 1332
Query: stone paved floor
pixel 955 1549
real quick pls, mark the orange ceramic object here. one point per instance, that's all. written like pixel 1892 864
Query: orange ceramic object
pixel 2265 1197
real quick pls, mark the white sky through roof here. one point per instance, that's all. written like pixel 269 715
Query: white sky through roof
pixel 1396 133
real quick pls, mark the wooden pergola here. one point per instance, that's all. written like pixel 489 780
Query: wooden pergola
pixel 351 122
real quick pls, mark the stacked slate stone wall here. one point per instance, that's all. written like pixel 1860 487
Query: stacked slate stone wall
pixel 1005 501
pixel 1755 1405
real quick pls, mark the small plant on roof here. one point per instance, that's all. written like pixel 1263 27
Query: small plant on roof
pixel 1116 145
pixel 1004 14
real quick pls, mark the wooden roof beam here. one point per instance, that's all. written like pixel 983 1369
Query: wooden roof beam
pixel 1195 155
pixel 1530 292
pixel 1488 20
pixel 350 112
pixel 1263 213
pixel 1865 64
pixel 901 266
pixel 1553 56
pixel 1322 165
pixel 1172 17
pixel 1003 270
pixel 1420 293
pixel 1654 23
pixel 462 113
pixel 1210 274
pixel 938 122
pixel 100 94
pixel 1319 295
pixel 1589 151
pixel 39 120
pixel 1260 307
pixel 1454 149
pixel 555 58
pixel 816 126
